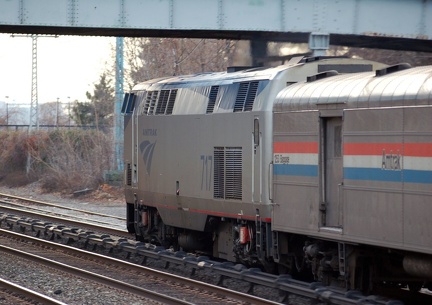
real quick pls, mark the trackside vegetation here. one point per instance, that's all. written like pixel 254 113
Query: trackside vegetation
pixel 61 160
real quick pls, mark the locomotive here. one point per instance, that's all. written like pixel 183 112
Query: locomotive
pixel 320 168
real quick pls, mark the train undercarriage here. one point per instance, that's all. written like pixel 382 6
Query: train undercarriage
pixel 253 244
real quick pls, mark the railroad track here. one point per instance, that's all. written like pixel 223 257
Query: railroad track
pixel 61 210
pixel 22 200
pixel 252 279
pixel 21 206
pixel 119 275
pixel 11 293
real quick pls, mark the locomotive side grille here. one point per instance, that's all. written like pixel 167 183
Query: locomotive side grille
pixel 212 99
pixel 241 97
pixel 171 100
pixel 219 172
pixel 246 96
pixel 153 102
pixel 233 176
pixel 129 174
pixel 147 102
pixel 250 99
pixel 228 171
pixel 163 101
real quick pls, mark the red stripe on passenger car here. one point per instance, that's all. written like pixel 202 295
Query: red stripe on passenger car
pixel 371 148
pixel 295 147
pixel 418 149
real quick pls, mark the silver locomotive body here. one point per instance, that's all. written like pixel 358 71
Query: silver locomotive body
pixel 278 167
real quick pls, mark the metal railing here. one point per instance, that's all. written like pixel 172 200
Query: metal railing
pixel 46 127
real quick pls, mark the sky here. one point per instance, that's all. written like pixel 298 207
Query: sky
pixel 67 67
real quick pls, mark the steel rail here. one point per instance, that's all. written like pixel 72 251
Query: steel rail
pixel 59 206
pixel 142 292
pixel 30 294
pixel 3 203
pixel 284 283
pixel 231 294
pixel 62 220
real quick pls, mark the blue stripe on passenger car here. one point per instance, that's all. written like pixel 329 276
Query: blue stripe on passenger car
pixel 295 170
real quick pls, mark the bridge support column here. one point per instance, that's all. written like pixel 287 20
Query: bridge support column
pixel 319 43
pixel 258 52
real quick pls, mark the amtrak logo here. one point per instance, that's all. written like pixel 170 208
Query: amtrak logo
pixel 147 149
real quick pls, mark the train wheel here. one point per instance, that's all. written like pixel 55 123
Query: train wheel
pixel 363 275
pixel 415 286
pixel 283 269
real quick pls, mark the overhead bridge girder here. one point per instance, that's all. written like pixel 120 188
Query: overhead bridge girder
pixel 367 23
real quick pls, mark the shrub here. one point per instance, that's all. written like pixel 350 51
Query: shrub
pixel 62 160
pixel 13 153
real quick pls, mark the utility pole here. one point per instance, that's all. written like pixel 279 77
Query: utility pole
pixel 7 112
pixel 34 107
pixel 57 113
pixel 118 118
pixel 118 123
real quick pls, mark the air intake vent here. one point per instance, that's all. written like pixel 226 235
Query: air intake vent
pixel 212 99
pixel 171 100
pixel 163 101
pixel 159 103
pixel 129 174
pixel 147 102
pixel 219 172
pixel 253 87
pixel 228 173
pixel 246 96
pixel 153 101
pixel 233 173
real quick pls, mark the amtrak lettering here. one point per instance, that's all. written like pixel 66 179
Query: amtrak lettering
pixel 391 161
pixel 150 132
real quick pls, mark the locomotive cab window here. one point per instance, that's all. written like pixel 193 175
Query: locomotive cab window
pixel 124 104
pixel 128 103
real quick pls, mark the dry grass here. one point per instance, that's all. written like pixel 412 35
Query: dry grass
pixel 62 160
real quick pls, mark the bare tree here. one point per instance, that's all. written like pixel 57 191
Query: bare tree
pixel 15 114
pixel 53 113
pixel 389 57
pixel 8 114
pixel 149 58
pixel 70 160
